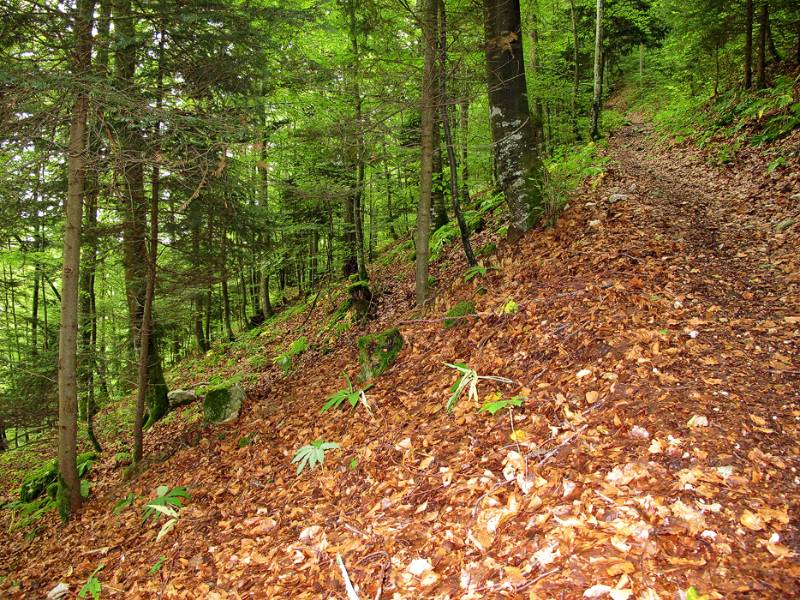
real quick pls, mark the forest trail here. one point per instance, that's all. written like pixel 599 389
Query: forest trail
pixel 656 340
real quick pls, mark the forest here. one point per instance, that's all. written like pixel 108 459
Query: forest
pixel 215 206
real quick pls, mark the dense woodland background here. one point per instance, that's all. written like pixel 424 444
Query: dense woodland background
pixel 241 156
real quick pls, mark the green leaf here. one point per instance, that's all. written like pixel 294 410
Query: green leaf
pixel 157 565
pixel 124 503
pixel 496 406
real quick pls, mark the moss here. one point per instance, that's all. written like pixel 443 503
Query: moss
pixel 489 248
pixel 378 351
pixel 35 483
pixel 62 499
pixel 455 315
pixel 245 441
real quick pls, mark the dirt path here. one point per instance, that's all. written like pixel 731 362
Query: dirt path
pixel 656 346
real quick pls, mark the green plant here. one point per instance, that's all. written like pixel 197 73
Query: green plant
pixel 352 395
pixel 168 502
pixel 495 406
pixel 157 566
pixel 467 380
pixel 92 585
pixel 312 454
pixel 285 360
pixel 477 271
pixel 124 503
pixel 245 441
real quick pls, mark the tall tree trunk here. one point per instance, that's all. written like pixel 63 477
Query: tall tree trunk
pixel 575 72
pixel 428 10
pixel 748 44
pixel 439 216
pixel 146 332
pixel 464 144
pixel 597 98
pixel 537 114
pixel 763 24
pixel 69 485
pixel 226 300
pixel 134 204
pixel 444 103
pixel 519 166
pixel 88 323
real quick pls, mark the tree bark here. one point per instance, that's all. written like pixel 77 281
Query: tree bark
pixel 134 204
pixel 427 18
pixel 519 166
pixel 763 23
pixel 69 486
pixel 748 44
pixel 575 72
pixel 448 134
pixel 537 115
pixel 597 98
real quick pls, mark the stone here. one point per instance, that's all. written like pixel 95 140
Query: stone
pixel 223 404
pixel 179 398
pixel 614 198
pixel 378 351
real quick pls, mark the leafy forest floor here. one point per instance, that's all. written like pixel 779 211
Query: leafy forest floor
pixel 656 340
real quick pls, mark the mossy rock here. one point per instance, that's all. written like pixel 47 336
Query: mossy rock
pixel 378 351
pixel 37 481
pixel 455 315
pixel 223 404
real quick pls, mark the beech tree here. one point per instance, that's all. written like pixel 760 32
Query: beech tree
pixel 519 165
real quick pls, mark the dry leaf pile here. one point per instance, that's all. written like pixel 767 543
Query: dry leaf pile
pixel 656 346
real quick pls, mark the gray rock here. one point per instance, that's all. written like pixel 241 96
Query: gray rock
pixel 614 198
pixel 180 397
pixel 223 404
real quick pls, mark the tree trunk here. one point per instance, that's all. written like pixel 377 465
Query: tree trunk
pixel 748 44
pixel 448 134
pixel 146 330
pixel 575 72
pixel 439 216
pixel 763 23
pixel 428 122
pixel 69 486
pixel 464 133
pixel 134 204
pixel 597 98
pixel 520 169
pixel 537 115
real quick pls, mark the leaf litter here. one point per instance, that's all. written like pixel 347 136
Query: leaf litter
pixel 656 449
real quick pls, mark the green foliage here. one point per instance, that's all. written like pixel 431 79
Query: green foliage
pixel 455 316
pixel 245 441
pixel 121 505
pixel 92 585
pixel 157 566
pixel 495 406
pixel 351 395
pixel 285 360
pixel 510 307
pixel 168 501
pixel 477 271
pixel 467 381
pixel 257 362
pixel 312 454
pixel 486 249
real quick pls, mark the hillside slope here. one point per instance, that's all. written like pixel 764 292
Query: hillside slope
pixel 656 343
